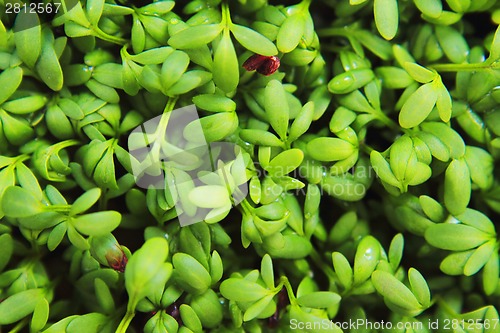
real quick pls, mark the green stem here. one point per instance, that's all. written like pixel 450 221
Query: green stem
pixel 161 129
pixel 19 326
pixel 103 200
pixel 124 324
pixel 226 15
pixel 386 120
pixel 155 144
pixel 286 144
pixel 442 303
pixel 305 4
pixel 366 148
pixel 330 32
pixel 170 104
pixel 464 67
pixel 59 208
pixel 320 263
pixel 291 295
pixel 246 207
pixel 104 36
pixel 67 143
pixel 21 158
pixel 162 126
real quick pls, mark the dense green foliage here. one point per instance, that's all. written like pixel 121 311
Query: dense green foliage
pixel 369 157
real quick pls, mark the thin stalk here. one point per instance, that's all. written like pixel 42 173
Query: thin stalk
pixel 130 314
pixel 125 323
pixel 19 326
pixel 319 262
pixel 305 4
pixel 21 158
pixel 447 309
pixel 103 201
pixel 366 148
pixel 104 36
pixel 59 208
pixel 386 120
pixel 246 207
pixel 154 153
pixel 291 295
pixel 170 104
pixel 464 67
pixel 330 32
pixel 226 16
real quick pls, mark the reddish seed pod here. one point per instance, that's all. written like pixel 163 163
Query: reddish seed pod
pixel 118 264
pixel 262 64
pixel 108 252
